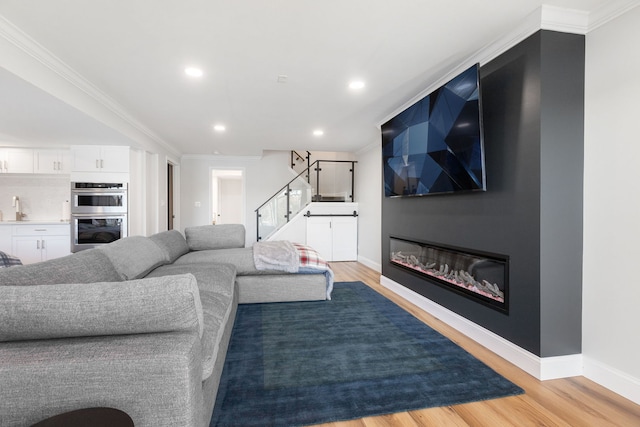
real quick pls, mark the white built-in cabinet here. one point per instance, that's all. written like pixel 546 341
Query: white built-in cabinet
pixel 99 158
pixel 335 238
pixel 6 236
pixel 52 161
pixel 80 158
pixel 16 160
pixel 35 243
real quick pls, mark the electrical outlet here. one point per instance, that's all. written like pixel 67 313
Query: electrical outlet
pixel 197 204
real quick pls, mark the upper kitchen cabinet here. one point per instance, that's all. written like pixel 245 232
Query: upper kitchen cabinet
pixel 16 160
pixel 99 158
pixel 52 161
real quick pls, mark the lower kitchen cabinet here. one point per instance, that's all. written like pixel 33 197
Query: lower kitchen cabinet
pixel 6 234
pixel 35 243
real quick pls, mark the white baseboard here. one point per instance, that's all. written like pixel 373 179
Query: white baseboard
pixel 615 380
pixel 541 368
pixel 371 264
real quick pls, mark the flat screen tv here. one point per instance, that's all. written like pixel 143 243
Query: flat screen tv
pixel 436 145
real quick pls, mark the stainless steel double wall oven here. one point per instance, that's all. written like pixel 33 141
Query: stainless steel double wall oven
pixel 98 214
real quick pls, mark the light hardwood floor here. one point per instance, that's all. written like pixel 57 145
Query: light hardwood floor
pixel 571 402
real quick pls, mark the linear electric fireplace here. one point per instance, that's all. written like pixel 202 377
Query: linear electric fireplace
pixel 481 276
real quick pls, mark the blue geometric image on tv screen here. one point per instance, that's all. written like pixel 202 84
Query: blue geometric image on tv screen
pixel 436 145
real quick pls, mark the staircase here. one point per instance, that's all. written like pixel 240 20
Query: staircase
pixel 320 181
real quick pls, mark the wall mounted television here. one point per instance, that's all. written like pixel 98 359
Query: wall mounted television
pixel 436 145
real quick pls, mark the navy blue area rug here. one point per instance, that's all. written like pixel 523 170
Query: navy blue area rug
pixel 357 355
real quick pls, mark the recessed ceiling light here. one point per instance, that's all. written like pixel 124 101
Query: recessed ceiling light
pixel 318 132
pixel 219 128
pixel 356 85
pixel 193 72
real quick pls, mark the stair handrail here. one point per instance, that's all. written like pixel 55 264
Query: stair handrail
pixel 295 154
pixel 288 184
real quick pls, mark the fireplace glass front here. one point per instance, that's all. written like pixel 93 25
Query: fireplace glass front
pixel 478 275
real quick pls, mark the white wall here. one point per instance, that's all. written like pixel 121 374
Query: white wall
pixel 148 191
pixel 368 195
pixel 264 176
pixel 611 292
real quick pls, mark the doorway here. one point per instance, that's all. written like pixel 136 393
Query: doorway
pixel 170 214
pixel 227 198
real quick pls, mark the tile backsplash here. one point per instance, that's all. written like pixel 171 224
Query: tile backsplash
pixel 42 197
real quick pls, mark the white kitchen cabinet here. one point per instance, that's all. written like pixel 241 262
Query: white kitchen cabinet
pixel 99 158
pixel 35 243
pixel 6 234
pixel 16 160
pixel 335 238
pixel 52 161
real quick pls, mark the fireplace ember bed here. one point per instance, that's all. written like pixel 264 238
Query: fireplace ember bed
pixel 481 276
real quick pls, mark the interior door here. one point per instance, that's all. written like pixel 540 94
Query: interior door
pixel 229 201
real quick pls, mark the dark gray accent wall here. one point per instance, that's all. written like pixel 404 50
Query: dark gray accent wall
pixel 532 99
pixel 562 168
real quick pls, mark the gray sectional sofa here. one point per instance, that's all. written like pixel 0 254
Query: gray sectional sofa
pixel 141 325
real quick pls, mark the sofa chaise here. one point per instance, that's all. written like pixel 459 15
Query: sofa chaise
pixel 141 325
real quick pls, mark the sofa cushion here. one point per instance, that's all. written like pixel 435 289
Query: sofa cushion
pixel 172 242
pixel 242 258
pixel 86 266
pixel 221 236
pixel 162 304
pixel 216 283
pixel 135 256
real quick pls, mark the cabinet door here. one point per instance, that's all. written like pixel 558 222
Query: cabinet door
pixel 114 159
pixel 88 158
pixel 17 160
pixel 52 161
pixel 85 158
pixel 345 238
pixel 64 161
pixel 46 161
pixel 27 248
pixel 55 247
pixel 6 244
pixel 319 236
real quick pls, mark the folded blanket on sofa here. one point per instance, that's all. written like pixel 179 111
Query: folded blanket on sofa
pixel 291 257
pixel 277 255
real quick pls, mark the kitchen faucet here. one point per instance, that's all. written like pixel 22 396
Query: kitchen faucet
pixel 16 204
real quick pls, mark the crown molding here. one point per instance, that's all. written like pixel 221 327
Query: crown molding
pixel 33 51
pixel 564 20
pixel 609 11
pixel 544 18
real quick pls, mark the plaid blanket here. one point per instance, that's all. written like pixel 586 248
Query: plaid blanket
pixel 7 260
pixel 309 258
pixel 311 262
pixel 291 258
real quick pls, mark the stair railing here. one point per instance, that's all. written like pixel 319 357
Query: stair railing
pixel 296 157
pixel 333 181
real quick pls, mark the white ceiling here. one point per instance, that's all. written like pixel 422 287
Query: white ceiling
pixel 127 57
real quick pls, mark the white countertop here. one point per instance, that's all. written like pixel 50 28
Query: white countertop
pixel 34 222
